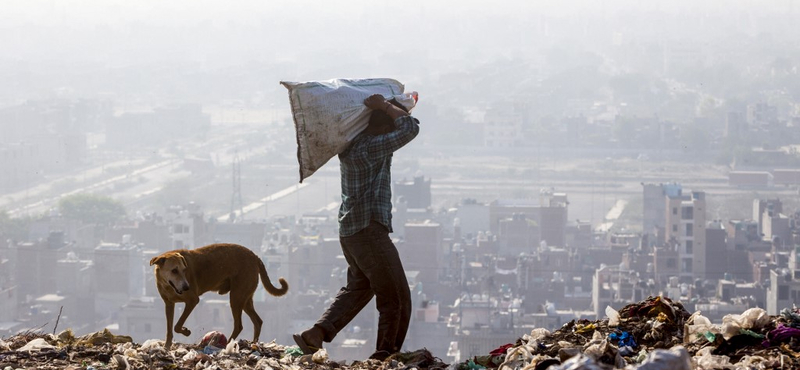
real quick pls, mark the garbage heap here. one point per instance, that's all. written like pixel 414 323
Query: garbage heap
pixel 103 350
pixel 655 334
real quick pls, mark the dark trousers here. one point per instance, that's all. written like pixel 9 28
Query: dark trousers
pixel 374 269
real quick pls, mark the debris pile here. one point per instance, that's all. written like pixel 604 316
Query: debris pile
pixel 103 350
pixel 655 334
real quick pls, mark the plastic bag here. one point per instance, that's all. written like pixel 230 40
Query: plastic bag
pixel 579 362
pixel 329 114
pixel 696 328
pixel 676 358
pixel 320 357
pixel 705 360
pixel 753 318
pixel 151 345
pixel 613 316
pixel 37 344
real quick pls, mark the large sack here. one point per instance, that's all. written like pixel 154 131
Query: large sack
pixel 329 114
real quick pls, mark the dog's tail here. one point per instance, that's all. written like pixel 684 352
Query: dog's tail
pixel 271 289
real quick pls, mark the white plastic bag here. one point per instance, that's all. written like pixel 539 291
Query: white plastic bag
pixel 36 345
pixel 613 316
pixel 320 357
pixel 696 326
pixel 753 318
pixel 329 114
pixel 676 358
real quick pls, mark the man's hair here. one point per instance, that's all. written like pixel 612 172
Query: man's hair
pixel 380 122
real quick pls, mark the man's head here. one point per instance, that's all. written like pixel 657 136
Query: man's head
pixel 380 123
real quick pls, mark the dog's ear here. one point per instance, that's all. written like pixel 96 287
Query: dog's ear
pixel 183 260
pixel 158 260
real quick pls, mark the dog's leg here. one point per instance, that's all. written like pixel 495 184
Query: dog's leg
pixel 170 311
pixel 237 304
pixel 250 310
pixel 187 309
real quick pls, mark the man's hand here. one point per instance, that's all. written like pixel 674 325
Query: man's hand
pixel 376 102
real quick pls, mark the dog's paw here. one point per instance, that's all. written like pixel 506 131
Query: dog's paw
pixel 183 331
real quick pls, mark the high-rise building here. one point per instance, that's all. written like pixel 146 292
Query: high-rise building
pixel 654 208
pixel 686 225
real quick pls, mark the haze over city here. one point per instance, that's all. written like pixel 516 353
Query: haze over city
pixel 572 155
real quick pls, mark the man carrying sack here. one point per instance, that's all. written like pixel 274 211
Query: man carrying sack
pixel 365 221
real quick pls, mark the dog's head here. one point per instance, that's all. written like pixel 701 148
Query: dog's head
pixel 171 267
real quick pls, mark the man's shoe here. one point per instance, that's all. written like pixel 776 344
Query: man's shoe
pixel 305 347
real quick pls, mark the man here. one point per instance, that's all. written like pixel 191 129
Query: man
pixel 365 221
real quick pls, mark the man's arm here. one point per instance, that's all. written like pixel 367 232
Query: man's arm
pixel 378 102
pixel 407 127
pixel 383 145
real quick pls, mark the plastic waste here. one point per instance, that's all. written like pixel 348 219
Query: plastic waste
pixel 215 339
pixel 676 358
pixel 623 339
pixel 36 345
pixel 605 350
pixel 231 349
pixel 189 355
pixel 613 316
pixel 66 337
pixel 641 356
pixel 753 318
pixel 293 351
pixel 120 362
pixel 473 366
pixel 586 328
pixel 329 114
pixel 102 337
pixel 792 316
pixel 151 345
pixel 705 360
pixel 580 362
pixel 539 333
pixel 211 350
pixel 753 362
pixel 781 334
pixel 320 357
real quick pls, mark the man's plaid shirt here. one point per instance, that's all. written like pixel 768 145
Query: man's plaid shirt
pixel 366 177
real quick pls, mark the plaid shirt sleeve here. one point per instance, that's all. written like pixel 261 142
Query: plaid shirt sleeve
pixel 384 145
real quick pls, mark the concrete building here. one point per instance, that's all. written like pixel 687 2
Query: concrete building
pixel 119 270
pixel 415 193
pixel 422 250
pixel 472 217
pixel 550 213
pixel 782 292
pixel 654 207
pixel 686 225
pixel 717 263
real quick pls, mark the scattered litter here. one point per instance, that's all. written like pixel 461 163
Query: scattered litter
pixel 294 351
pixel 38 344
pixel 613 316
pixel 320 357
pixel 215 339
pixel 654 334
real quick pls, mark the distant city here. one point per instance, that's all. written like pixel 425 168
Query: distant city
pixel 564 165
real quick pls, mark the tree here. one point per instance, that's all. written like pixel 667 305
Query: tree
pixel 13 228
pixel 91 209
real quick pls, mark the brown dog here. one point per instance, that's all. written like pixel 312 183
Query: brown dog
pixel 183 275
